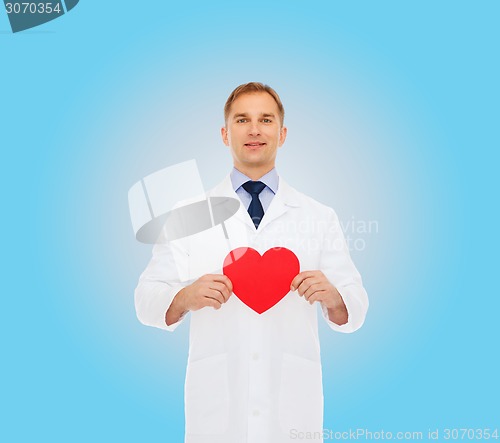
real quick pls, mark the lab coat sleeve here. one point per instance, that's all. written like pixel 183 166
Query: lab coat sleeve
pixel 338 267
pixel 159 284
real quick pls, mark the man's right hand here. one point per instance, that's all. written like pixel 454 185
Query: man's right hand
pixel 209 290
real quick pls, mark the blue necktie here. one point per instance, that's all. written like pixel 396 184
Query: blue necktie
pixel 255 209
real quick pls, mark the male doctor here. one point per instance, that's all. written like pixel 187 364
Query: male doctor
pixel 255 378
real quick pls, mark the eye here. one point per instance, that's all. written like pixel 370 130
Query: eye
pixel 241 120
pixel 267 120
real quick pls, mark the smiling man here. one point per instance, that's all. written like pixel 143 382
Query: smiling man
pixel 255 378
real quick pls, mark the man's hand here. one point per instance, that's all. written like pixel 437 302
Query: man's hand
pixel 210 290
pixel 314 286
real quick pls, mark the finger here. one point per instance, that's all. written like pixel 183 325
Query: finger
pixel 216 295
pixel 222 288
pixel 297 281
pixel 224 279
pixel 313 288
pixel 209 301
pixel 299 278
pixel 317 296
pixel 306 284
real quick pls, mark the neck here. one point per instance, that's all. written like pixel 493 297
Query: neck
pixel 254 173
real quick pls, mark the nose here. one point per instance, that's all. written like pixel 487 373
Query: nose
pixel 254 129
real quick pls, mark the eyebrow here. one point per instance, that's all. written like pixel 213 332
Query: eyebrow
pixel 246 115
pixel 240 115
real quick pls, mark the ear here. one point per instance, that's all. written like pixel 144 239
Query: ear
pixel 283 132
pixel 225 135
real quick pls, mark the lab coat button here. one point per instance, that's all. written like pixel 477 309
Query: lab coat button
pixel 256 413
pixel 255 356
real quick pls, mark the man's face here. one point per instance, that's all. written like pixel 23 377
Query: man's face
pixel 253 132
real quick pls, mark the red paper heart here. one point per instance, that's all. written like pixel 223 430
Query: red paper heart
pixel 261 281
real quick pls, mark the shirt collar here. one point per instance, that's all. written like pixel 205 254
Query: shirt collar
pixel 271 179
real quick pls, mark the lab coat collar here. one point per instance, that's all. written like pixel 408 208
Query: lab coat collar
pixel 286 198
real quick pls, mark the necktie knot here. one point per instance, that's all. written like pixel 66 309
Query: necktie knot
pixel 253 188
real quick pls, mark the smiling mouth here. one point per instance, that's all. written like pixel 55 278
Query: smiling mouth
pixel 254 145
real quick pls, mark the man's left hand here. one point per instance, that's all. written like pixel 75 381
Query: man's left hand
pixel 314 286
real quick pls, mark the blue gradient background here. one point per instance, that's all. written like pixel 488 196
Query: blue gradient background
pixel 392 109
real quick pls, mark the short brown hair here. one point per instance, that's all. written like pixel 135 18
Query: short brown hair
pixel 253 87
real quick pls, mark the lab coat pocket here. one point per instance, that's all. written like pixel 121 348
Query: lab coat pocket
pixel 301 395
pixel 207 396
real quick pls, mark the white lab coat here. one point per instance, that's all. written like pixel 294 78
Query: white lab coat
pixel 254 378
